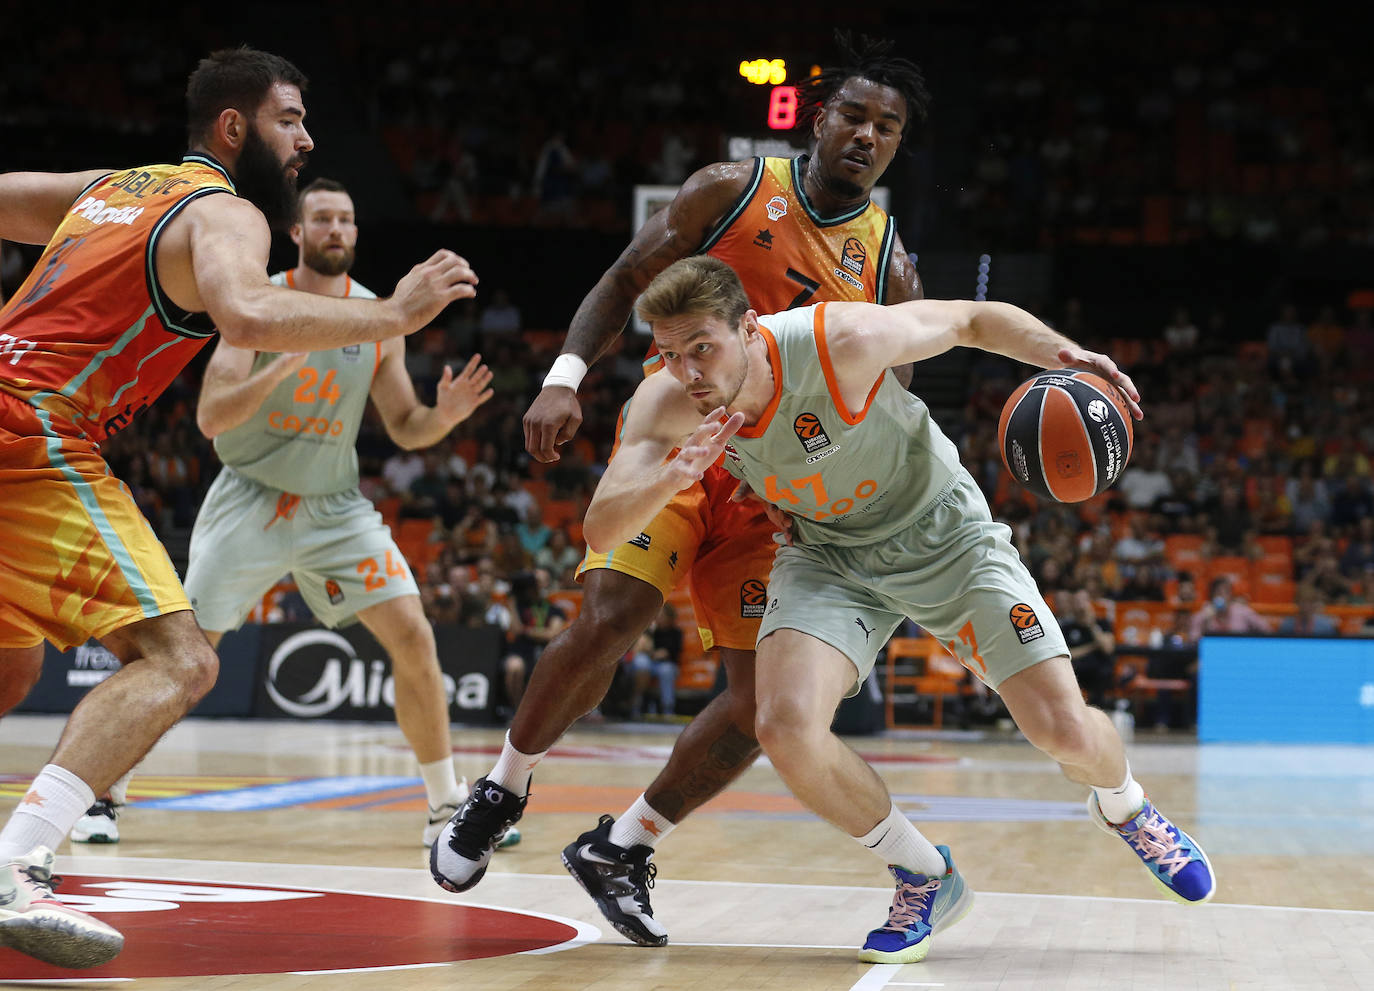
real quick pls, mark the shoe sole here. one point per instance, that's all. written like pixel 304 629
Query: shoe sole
pixel 444 882
pixel 917 953
pixel 1100 821
pixel 95 838
pixel 56 937
pixel 625 930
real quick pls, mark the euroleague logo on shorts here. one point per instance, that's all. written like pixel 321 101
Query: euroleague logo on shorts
pixel 331 589
pixel 753 597
pixel 1026 623
pixel 809 431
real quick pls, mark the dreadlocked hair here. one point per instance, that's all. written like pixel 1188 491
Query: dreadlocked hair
pixel 871 59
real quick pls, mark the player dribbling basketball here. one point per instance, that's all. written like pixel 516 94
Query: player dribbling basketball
pixel 885 524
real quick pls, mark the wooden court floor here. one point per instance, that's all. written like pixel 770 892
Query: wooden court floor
pixel 286 855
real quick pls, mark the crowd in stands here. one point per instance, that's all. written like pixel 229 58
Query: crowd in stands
pixel 1248 503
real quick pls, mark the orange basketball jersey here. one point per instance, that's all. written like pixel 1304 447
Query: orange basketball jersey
pixel 788 255
pixel 90 338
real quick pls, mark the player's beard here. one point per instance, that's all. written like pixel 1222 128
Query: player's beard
pixel 265 181
pixel 317 259
pixel 728 394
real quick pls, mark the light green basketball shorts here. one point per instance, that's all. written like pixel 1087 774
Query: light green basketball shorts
pixel 955 572
pixel 247 536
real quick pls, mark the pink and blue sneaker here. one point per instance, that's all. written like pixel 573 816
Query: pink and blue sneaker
pixel 921 907
pixel 1173 857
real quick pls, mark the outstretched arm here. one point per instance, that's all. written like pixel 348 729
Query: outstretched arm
pixel 639 481
pixel 672 233
pixel 865 339
pixel 213 258
pixel 32 204
pixel 409 422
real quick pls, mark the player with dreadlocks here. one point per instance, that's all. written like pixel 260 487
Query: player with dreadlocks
pixel 797 231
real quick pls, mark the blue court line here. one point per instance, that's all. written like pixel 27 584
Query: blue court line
pixel 276 796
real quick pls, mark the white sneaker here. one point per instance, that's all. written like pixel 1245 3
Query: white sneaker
pixel 100 824
pixel 438 818
pixel 34 922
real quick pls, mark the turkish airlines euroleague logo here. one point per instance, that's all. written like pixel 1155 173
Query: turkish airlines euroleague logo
pixel 809 431
pixel 1026 623
pixel 853 255
pixel 753 596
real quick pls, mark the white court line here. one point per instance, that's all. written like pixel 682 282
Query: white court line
pixel 366 970
pixel 75 865
pixel 880 976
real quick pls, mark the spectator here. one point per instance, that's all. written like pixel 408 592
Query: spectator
pixel 1230 518
pixel 401 469
pixel 1308 498
pixel 1309 620
pixel 560 558
pixel 1359 553
pixel 1290 351
pixel 1143 482
pixel 533 532
pixel 535 620
pixel 1350 503
pixel 1092 646
pixel 501 317
pixel 1181 334
pixel 1223 613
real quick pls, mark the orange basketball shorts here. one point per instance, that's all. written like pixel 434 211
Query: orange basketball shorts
pixel 77 558
pixel 725 548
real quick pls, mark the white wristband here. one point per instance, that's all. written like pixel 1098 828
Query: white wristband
pixel 567 370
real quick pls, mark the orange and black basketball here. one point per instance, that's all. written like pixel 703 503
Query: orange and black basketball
pixel 1065 435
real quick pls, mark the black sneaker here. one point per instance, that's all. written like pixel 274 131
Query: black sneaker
pixel 619 880
pixel 460 856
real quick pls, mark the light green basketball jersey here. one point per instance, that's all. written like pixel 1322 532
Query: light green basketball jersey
pixel 848 477
pixel 303 437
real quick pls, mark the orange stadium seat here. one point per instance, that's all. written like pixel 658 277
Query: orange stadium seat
pixel 938 673
pixel 1184 551
pixel 1270 588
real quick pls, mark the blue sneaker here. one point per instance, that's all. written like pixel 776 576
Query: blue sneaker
pixel 1174 858
pixel 921 907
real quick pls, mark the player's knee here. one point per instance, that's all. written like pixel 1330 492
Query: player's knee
pixel 783 731
pixel 412 644
pixel 196 671
pixel 1063 734
pixel 18 674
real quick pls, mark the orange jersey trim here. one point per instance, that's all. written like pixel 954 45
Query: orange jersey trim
pixel 775 361
pixel 832 382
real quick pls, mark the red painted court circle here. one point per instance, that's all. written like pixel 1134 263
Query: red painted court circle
pixel 207 928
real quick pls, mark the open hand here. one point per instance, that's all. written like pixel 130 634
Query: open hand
pixel 1100 364
pixel 699 451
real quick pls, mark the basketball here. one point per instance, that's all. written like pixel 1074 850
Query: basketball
pixel 1065 435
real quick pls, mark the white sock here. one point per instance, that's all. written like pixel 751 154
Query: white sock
pixel 899 842
pixel 47 813
pixel 512 770
pixel 640 826
pixel 1121 804
pixel 119 791
pixel 441 783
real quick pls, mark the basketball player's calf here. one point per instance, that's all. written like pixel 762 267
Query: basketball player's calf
pixel 612 861
pixel 19 671
pixel 572 677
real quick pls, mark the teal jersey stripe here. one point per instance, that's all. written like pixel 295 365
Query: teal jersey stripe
pixel 93 366
pixel 102 523
pixel 134 381
pixel 885 259
pixel 735 210
pixel 810 209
